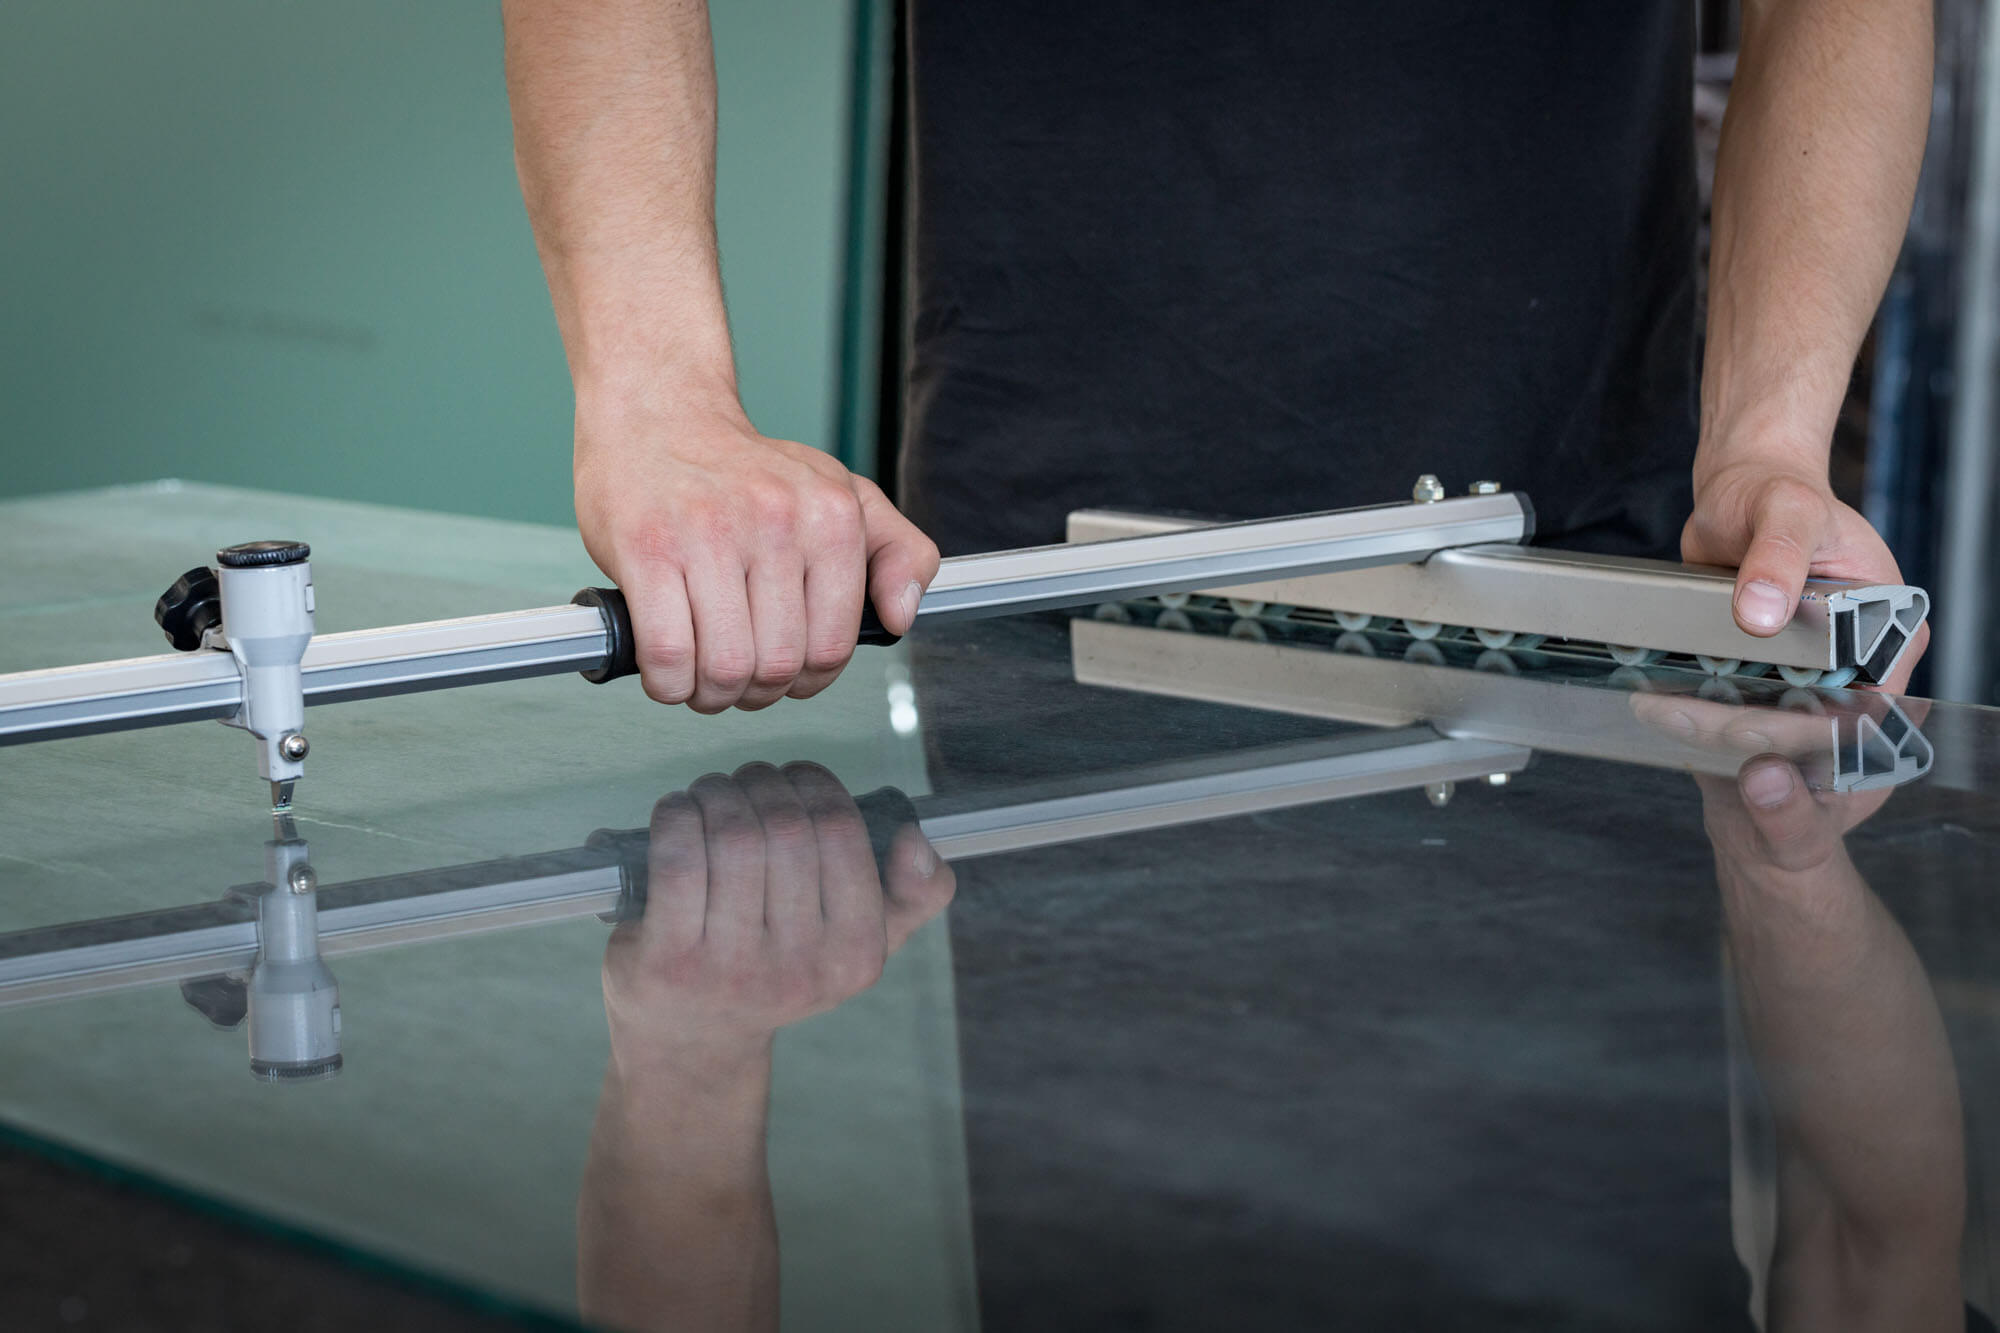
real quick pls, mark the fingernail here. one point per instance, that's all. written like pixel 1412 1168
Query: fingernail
pixel 911 596
pixel 1768 786
pixel 1680 724
pixel 926 860
pixel 1762 604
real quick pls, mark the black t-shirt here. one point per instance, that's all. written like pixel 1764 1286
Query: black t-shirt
pixel 1269 256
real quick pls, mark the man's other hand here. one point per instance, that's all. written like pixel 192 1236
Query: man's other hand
pixel 1778 527
pixel 744 559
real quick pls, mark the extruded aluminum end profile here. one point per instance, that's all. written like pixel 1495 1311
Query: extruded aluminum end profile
pixel 1592 598
pixel 1872 624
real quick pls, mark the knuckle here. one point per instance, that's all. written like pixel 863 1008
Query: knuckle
pixel 735 840
pixel 728 668
pixel 854 970
pixel 828 657
pixel 806 686
pixel 655 545
pixel 674 689
pixel 773 509
pixel 833 813
pixel 664 671
pixel 777 667
pixel 1791 500
pixel 758 778
pixel 834 514
pixel 796 992
pixel 664 655
pixel 710 524
pixel 788 826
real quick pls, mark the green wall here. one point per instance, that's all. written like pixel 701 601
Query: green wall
pixel 281 245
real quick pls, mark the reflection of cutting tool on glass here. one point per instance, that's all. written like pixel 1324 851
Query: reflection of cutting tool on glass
pixel 259 951
pixel 285 991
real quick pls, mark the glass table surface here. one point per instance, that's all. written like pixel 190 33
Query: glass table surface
pixel 1128 967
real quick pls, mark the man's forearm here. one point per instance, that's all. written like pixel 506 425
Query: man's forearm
pixel 1819 159
pixel 675 1226
pixel 614 138
pixel 746 560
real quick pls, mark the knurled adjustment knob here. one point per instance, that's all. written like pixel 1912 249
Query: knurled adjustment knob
pixel 262 555
pixel 190 608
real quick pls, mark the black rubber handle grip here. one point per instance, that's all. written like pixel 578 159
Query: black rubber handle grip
pixel 873 632
pixel 885 811
pixel 622 659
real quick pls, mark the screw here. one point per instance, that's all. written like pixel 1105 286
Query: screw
pixel 294 746
pixel 303 879
pixel 1440 792
pixel 1428 490
pixel 1484 488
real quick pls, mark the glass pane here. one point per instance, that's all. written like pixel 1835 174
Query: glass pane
pixel 1330 978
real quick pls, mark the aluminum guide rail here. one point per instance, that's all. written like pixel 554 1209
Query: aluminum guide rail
pixel 181 687
pixel 1188 556
pixel 177 687
pixel 1601 599
pixel 606 876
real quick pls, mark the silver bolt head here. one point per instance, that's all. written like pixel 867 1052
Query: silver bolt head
pixel 1485 488
pixel 294 747
pixel 303 879
pixel 1440 792
pixel 1428 490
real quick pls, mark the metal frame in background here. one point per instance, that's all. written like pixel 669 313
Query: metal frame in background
pixel 1932 428
pixel 1966 667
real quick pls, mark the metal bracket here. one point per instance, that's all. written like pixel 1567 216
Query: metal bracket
pixel 1600 599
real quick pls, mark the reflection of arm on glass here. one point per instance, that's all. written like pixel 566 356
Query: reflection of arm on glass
pixel 1851 1055
pixel 763 907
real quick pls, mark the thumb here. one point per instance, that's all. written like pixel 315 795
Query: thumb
pixel 1785 530
pixel 1796 831
pixel 901 560
pixel 917 882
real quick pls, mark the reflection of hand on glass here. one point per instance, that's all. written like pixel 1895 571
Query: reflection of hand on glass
pixel 1851 1054
pixel 763 907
